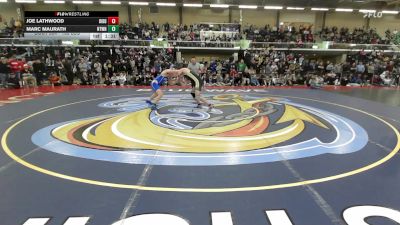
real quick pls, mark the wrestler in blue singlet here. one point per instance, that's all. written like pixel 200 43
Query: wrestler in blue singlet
pixel 157 82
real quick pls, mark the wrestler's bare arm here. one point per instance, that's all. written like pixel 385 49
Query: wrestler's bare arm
pixel 170 73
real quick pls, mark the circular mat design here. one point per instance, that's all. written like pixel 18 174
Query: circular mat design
pixel 261 134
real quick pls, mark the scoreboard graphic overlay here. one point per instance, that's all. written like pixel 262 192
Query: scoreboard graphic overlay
pixel 67 25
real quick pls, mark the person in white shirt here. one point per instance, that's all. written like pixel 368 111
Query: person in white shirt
pixel 97 67
pixel 385 76
pixel 122 78
pixel 114 79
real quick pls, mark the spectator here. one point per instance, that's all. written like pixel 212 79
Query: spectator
pixel 17 66
pixel 84 78
pixel 83 66
pixel 108 66
pixel 122 78
pixel 13 81
pixel 4 71
pixel 115 80
pixel 54 79
pixel 257 67
pixel 386 78
pixel 194 66
pixel 39 71
pixel 360 69
pixel 316 82
pixel 329 67
pixel 253 77
pixel 50 63
pixel 107 80
pixel 27 77
pixel 67 64
pixel 228 80
pixel 94 77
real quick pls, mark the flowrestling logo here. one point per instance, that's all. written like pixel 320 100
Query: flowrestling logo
pixel 241 129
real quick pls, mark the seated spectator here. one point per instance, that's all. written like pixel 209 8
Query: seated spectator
pixel 147 79
pixel 277 80
pixel 356 79
pixel 64 79
pixel 138 80
pixel 262 80
pixel 122 78
pixel 13 81
pixel 115 80
pixel 95 77
pixel 27 77
pixel 107 80
pixel 330 78
pixel 386 78
pixel 54 79
pixel 213 79
pixel 220 79
pixel 254 78
pixel 228 80
pixel 344 81
pixel 245 78
pixel 290 78
pixel 396 77
pixel 84 78
pixel 236 77
pixel 316 82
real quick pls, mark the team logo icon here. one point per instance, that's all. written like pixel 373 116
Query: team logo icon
pixel 241 129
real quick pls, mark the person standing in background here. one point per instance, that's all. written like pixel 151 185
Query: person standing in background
pixel 194 66
pixel 68 70
pixel 4 71
pixel 17 65
pixel 27 77
pixel 39 71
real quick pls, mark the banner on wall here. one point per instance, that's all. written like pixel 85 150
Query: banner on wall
pixel 243 44
pixel 70 43
pixel 162 43
pixel 322 45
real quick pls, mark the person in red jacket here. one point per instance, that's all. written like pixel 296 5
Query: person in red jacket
pixel 17 66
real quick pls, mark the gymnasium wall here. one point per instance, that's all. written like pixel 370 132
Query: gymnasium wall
pixel 165 14
pixel 297 16
pixel 350 20
pixel 391 22
pixel 7 11
pixel 48 7
pixel 258 17
pixel 195 15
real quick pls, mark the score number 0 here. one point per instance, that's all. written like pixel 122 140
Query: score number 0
pixel 113 20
